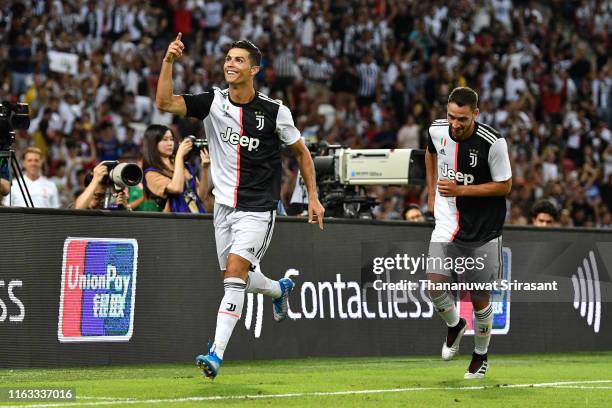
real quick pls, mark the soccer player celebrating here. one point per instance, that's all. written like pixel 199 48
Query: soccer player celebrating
pixel 245 130
pixel 468 177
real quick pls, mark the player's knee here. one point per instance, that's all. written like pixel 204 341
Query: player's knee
pixel 436 278
pixel 435 294
pixel 480 299
pixel 236 271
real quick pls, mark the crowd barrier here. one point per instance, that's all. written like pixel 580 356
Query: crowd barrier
pixel 98 288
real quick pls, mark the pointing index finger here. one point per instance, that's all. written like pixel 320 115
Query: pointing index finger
pixel 179 36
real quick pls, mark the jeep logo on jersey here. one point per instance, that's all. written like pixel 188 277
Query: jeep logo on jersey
pixel 252 143
pixel 458 176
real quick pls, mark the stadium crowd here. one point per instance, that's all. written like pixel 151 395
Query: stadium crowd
pixel 367 74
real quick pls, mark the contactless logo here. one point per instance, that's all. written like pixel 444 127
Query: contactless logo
pixel 98 290
pixel 587 291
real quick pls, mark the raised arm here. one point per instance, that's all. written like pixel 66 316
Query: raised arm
pixel 165 100
pixel 82 202
pixel 203 185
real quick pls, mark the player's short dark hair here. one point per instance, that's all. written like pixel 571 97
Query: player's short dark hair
pixel 546 207
pixel 463 96
pixel 254 53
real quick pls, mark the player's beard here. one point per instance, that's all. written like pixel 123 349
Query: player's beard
pixel 462 132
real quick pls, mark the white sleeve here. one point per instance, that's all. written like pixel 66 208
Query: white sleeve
pixel 286 130
pixel 499 161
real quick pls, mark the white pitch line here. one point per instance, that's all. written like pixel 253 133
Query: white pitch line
pixel 306 394
pixel 554 384
pixel 581 387
pixel 106 398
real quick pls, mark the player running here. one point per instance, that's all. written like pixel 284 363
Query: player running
pixel 245 130
pixel 468 177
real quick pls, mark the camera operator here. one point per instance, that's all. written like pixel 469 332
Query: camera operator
pixel 92 198
pixel 42 190
pixel 170 180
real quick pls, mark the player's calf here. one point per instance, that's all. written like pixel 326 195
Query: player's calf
pixel 450 347
pixel 445 306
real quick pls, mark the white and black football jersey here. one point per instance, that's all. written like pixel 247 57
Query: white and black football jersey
pixel 244 142
pixel 481 158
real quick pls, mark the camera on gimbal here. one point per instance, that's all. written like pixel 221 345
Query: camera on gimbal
pixel 12 116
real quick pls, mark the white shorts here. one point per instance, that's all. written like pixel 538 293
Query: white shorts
pixel 244 233
pixel 478 262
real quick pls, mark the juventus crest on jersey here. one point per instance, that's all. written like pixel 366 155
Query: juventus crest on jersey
pixel 481 158
pixel 244 142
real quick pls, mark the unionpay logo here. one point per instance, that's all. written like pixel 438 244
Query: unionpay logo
pixel 98 290
pixel 587 291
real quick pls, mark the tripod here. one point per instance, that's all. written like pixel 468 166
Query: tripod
pixel 13 165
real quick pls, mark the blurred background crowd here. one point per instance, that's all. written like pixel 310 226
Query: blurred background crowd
pixel 366 73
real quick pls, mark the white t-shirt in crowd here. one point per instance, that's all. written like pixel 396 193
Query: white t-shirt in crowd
pixel 42 190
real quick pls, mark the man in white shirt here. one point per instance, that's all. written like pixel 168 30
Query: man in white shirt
pixel 42 190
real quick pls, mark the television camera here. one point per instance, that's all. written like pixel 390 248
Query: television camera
pixel 343 174
pixel 13 116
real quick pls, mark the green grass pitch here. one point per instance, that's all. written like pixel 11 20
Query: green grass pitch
pixel 538 380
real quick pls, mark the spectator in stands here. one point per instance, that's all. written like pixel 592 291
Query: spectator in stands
pixel 543 71
pixel 413 214
pixel 544 214
pixel 42 190
pixel 169 178
pixel 94 195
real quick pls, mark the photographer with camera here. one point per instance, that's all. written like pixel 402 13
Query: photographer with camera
pixel 93 197
pixel 170 180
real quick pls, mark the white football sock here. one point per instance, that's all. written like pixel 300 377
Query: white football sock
pixel 445 306
pixel 482 329
pixel 259 283
pixel 230 311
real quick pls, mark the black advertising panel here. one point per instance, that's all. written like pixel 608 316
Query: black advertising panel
pixel 96 288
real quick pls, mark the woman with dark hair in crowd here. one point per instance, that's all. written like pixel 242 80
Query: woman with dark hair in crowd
pixel 169 179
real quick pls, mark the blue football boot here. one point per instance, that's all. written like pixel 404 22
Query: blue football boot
pixel 210 364
pixel 280 304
